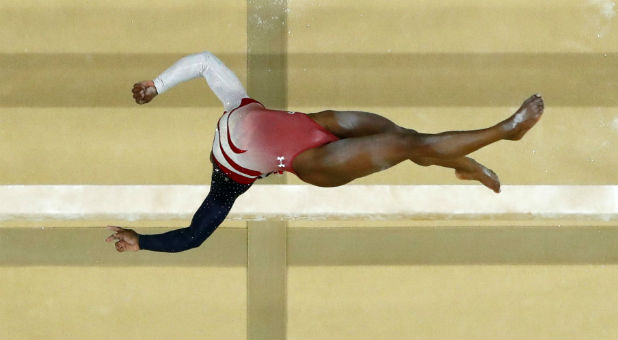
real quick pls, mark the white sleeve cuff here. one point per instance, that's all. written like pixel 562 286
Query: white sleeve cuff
pixel 158 83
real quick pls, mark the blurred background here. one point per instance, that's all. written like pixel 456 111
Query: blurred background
pixel 67 118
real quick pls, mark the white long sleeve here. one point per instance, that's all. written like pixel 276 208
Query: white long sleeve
pixel 221 80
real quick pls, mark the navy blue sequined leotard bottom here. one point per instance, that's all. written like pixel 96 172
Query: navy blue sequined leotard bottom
pixel 223 193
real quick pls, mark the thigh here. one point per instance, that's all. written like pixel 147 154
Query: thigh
pixel 345 124
pixel 342 161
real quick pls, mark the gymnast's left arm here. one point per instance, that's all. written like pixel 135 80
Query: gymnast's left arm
pixel 221 80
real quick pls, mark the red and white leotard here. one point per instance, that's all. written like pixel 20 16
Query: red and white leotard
pixel 250 141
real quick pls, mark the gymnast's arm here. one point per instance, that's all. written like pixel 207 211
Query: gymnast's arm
pixel 221 80
pixel 205 220
pixel 208 217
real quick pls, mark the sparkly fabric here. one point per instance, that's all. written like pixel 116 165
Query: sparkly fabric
pixel 212 212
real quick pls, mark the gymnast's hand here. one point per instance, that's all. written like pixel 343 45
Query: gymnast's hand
pixel 127 239
pixel 144 91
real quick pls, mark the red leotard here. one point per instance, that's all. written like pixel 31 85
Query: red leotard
pixel 252 141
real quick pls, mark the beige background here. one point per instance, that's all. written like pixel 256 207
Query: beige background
pixel 66 117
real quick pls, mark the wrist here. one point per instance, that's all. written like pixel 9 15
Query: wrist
pixel 158 86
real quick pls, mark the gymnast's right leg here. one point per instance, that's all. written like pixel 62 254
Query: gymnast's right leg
pixel 366 149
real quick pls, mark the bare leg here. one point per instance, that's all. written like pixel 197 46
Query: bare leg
pixel 346 124
pixel 455 144
pixel 387 144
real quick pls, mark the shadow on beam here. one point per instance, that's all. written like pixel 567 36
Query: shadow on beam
pixel 452 246
pixel 227 247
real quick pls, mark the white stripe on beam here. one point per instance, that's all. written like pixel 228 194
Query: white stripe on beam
pixel 158 202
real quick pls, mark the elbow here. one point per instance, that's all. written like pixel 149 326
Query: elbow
pixel 194 243
pixel 205 57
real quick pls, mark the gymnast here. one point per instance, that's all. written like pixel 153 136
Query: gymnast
pixel 328 148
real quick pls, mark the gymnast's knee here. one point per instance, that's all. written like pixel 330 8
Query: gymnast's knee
pixel 418 147
pixel 422 161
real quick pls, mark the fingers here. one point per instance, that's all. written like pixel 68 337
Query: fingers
pixel 138 88
pixel 118 235
pixel 144 91
pixel 121 246
pixel 139 92
pixel 125 239
pixel 114 237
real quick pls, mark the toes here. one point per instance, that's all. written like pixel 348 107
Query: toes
pixel 529 100
pixel 533 98
pixel 540 106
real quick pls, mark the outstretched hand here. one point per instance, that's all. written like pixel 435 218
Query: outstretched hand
pixel 144 91
pixel 127 239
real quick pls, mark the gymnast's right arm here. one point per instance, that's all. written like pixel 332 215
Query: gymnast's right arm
pixel 221 80
pixel 207 218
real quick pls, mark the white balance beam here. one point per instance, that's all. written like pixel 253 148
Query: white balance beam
pixel 163 202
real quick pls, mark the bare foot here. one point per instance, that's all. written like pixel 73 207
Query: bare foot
pixel 524 119
pixel 482 174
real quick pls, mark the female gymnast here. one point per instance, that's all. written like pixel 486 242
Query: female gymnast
pixel 328 148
